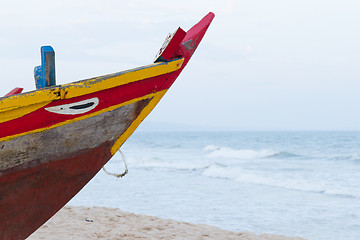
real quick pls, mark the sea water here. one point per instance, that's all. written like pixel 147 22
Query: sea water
pixel 291 183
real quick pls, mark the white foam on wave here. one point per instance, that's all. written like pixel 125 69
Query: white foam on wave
pixel 227 152
pixel 276 180
pixel 355 157
pixel 347 157
pixel 157 163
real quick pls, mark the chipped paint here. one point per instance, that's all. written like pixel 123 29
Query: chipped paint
pixel 189 44
pixel 47 158
pixel 64 141
pixel 88 86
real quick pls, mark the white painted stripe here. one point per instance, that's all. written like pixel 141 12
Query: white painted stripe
pixel 75 108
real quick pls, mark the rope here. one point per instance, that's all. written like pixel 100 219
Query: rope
pixel 121 174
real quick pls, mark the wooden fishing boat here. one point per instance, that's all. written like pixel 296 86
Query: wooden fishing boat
pixel 55 139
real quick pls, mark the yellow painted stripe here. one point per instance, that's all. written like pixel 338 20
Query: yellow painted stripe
pixel 144 113
pixel 154 95
pixel 88 86
pixel 19 112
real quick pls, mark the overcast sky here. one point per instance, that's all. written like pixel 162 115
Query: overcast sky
pixel 263 65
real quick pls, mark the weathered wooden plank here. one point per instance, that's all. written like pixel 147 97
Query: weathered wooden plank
pixel 54 140
pixel 45 73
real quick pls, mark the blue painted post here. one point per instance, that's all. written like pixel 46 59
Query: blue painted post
pixel 45 74
pixel 39 82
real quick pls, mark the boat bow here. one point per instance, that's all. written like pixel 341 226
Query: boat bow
pixel 55 139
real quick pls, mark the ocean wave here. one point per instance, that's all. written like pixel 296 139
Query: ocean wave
pixel 238 174
pixel 157 163
pixel 284 155
pixel 355 157
pixel 349 157
pixel 226 152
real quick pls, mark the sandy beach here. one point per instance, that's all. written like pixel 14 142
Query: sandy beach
pixel 112 223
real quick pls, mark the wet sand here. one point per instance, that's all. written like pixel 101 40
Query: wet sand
pixel 112 223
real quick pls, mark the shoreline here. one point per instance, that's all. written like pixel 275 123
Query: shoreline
pixel 76 222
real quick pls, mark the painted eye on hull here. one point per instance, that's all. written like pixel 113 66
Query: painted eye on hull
pixel 75 108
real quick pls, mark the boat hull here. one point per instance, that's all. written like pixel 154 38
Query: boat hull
pixel 42 190
pixel 54 140
pixel 54 163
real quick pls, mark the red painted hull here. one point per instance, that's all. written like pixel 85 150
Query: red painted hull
pixel 41 191
pixel 50 149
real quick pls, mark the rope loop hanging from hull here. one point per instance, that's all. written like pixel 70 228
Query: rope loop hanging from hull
pixel 121 174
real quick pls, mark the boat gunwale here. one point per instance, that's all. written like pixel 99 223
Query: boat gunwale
pixel 87 86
